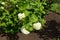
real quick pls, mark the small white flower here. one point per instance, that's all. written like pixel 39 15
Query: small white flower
pixel 37 26
pixel 3 3
pixel 21 16
pixel 2 7
pixel 24 31
pixel 16 5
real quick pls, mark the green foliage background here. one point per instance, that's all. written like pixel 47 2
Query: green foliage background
pixel 55 7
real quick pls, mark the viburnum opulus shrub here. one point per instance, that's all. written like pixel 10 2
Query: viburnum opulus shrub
pixel 22 15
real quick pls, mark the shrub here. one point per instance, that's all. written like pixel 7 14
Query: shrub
pixel 17 14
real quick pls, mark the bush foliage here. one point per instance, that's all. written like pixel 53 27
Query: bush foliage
pixel 34 10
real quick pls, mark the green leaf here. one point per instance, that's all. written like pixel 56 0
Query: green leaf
pixel 3 24
pixel 26 13
pixel 33 18
pixel 43 22
pixel 30 29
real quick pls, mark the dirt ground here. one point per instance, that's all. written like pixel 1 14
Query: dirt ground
pixel 49 32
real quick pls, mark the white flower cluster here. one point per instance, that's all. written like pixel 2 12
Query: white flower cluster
pixel 2 7
pixel 24 31
pixel 3 3
pixel 21 16
pixel 36 26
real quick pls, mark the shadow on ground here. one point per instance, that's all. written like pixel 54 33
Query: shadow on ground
pixel 52 27
pixel 49 32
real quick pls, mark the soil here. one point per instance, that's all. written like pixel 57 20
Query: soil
pixel 50 31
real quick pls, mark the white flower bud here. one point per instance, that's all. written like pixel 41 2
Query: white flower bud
pixel 24 31
pixel 37 26
pixel 21 16
pixel 3 3
pixel 2 7
pixel 16 5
